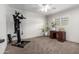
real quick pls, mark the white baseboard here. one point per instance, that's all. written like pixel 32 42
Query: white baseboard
pixel 73 41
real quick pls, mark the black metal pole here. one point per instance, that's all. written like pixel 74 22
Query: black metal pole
pixel 18 36
pixel 18 31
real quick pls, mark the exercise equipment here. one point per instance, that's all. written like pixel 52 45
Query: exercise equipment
pixel 2 40
pixel 17 21
pixel 9 38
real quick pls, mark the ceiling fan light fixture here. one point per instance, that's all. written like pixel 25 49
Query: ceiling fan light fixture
pixel 46 7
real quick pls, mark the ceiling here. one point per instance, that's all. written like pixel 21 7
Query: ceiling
pixel 36 8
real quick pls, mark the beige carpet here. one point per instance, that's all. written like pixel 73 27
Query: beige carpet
pixel 44 45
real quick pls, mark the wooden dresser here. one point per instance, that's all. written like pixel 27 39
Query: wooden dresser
pixel 58 35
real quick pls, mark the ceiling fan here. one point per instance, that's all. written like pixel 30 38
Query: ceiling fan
pixel 46 7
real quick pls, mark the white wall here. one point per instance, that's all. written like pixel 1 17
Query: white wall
pixel 72 28
pixel 31 26
pixel 3 27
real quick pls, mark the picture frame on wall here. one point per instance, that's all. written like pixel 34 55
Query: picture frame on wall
pixel 62 21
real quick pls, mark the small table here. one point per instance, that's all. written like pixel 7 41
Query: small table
pixel 58 35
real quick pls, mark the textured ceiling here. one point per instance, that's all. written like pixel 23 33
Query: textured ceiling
pixel 36 8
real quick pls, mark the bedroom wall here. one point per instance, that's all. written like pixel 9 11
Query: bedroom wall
pixel 31 26
pixel 3 27
pixel 72 28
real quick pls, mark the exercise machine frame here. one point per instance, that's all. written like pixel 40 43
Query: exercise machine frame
pixel 17 17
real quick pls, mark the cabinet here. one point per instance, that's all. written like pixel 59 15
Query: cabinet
pixel 58 35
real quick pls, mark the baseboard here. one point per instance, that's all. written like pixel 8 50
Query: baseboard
pixel 31 37
pixel 73 41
